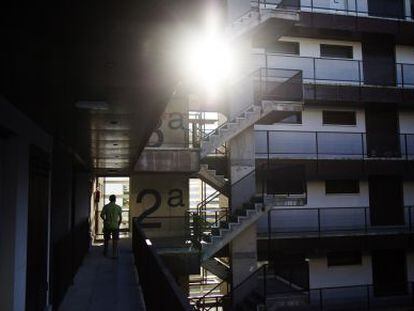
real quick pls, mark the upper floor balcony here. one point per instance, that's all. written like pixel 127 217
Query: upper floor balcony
pixel 341 71
pixel 399 9
pixel 313 145
pixel 293 222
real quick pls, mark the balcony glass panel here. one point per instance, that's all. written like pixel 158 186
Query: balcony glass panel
pixel 291 143
pixel 348 144
pixel 337 70
pixel 410 145
pixel 292 62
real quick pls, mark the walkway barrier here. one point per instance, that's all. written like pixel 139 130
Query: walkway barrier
pixel 161 292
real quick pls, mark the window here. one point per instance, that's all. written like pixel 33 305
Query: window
pixel 336 51
pixel 341 186
pixel 339 117
pixel 283 47
pixel 345 258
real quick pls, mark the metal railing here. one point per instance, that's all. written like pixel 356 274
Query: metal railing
pixel 339 70
pixel 356 297
pixel 278 84
pixel 330 144
pixel 211 300
pixel 332 220
pixel 253 287
pixel 160 290
pixel 355 8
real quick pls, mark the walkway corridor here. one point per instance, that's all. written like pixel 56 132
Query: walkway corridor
pixel 104 284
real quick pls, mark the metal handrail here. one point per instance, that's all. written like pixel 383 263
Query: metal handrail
pixel 210 198
pixel 230 295
pixel 405 141
pixel 315 223
pixel 198 305
pixel 354 12
pixel 245 109
pixel 400 69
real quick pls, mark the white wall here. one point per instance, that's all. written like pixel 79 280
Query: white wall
pixel 404 54
pixel 311 47
pixel 312 121
pixel 408 187
pixel 320 275
pixel 406 120
pixel 318 198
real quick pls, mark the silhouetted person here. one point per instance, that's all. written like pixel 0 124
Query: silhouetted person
pixel 112 216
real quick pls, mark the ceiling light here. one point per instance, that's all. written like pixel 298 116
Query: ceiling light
pixel 92 105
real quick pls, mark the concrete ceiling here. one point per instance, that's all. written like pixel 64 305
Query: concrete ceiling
pixel 115 52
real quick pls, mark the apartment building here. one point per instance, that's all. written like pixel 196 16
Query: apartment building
pixel 316 159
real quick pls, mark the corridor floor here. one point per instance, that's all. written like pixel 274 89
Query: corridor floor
pixel 104 284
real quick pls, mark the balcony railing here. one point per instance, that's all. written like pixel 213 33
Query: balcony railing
pixel 358 297
pixel 332 145
pixel 293 221
pixel 356 8
pixel 160 290
pixel 339 71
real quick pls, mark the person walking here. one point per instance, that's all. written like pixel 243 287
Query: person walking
pixel 112 217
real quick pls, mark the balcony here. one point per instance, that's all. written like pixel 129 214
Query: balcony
pixel 312 145
pixel 355 8
pixel 291 222
pixel 338 71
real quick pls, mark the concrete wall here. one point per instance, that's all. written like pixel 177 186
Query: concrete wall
pixel 172 128
pixel 14 183
pixel 163 198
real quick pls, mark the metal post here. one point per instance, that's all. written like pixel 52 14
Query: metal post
pixel 359 73
pixel 319 221
pixel 320 299
pixel 317 145
pixel 366 222
pixel 406 146
pixel 269 234
pixel 402 75
pixel 264 283
pixel 268 149
pixel 368 299
pixel 362 145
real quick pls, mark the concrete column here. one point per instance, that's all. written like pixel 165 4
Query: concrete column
pixel 243 249
pixel 13 224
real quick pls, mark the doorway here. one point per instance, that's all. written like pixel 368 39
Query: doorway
pixel 37 234
pixel 378 53
pixel 106 186
pixel 386 200
pixel 382 128
pixel 389 272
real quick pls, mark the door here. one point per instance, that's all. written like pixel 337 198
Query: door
pixel 389 272
pixel 37 235
pixel 378 53
pixel 382 128
pixel 386 201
